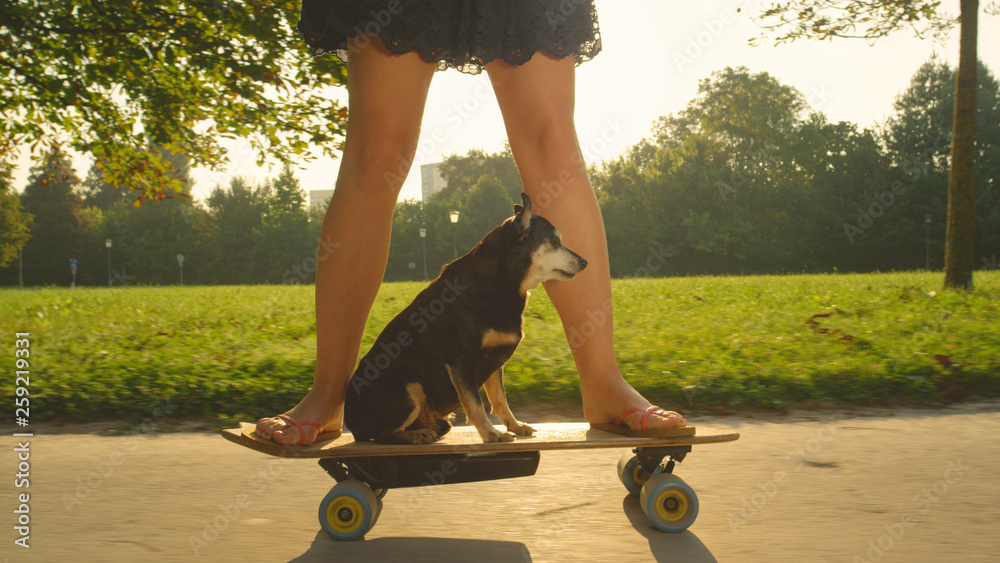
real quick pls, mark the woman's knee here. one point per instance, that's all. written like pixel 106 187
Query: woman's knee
pixel 378 163
pixel 551 134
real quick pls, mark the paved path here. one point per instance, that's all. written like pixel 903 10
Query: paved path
pixel 905 486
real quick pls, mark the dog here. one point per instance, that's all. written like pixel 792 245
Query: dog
pixel 455 337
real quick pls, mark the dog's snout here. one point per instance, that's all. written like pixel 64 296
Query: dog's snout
pixel 583 263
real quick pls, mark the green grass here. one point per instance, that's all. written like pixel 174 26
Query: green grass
pixel 713 343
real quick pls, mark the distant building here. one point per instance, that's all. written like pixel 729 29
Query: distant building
pixel 318 199
pixel 431 181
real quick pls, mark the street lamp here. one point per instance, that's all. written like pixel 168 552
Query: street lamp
pixel 180 262
pixel 423 244
pixel 927 222
pixel 107 244
pixel 454 229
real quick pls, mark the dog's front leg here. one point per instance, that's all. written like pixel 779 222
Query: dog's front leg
pixel 498 405
pixel 474 410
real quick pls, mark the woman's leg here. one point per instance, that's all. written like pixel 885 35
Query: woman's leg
pixel 537 102
pixel 387 93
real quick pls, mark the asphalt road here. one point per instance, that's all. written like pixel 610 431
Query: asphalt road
pixel 873 486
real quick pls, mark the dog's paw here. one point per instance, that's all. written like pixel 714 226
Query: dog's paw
pixel 422 436
pixel 521 429
pixel 496 436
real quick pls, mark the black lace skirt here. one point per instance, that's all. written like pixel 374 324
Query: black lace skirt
pixel 462 34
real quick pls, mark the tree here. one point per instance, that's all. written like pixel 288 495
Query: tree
pixel 825 19
pixel 407 248
pixel 461 172
pixel 97 192
pixel 119 77
pixel 14 222
pixel 236 212
pixel 918 141
pixel 59 228
pixel 736 183
pixel 960 244
pixel 148 239
pixel 286 192
pixel 284 246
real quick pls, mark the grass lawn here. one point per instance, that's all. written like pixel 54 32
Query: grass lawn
pixel 714 343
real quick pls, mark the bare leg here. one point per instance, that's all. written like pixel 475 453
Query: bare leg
pixel 387 96
pixel 537 102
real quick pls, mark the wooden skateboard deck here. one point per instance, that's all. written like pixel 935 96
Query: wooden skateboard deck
pixel 465 439
pixel 364 471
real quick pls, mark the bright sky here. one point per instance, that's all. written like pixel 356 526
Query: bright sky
pixel 654 53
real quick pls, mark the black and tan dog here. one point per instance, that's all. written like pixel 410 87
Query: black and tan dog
pixel 455 337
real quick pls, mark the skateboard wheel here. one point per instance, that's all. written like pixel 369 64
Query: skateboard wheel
pixel 349 510
pixel 669 502
pixel 631 474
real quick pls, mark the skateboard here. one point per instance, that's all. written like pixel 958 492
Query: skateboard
pixel 364 471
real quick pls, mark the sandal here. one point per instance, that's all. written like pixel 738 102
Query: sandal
pixel 644 432
pixel 291 422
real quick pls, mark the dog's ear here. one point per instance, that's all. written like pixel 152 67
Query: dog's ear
pixel 523 214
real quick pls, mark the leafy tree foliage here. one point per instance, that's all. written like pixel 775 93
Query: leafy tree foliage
pixel 98 193
pixel 118 77
pixel 14 222
pixel 918 139
pixel 60 226
pixel 825 19
pixel 715 189
pixel 868 19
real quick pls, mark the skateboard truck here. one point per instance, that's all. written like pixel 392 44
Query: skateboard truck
pixel 651 458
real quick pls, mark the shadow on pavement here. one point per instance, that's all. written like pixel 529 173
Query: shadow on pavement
pixel 682 546
pixel 324 548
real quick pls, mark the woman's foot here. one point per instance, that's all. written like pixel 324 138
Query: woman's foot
pixel 605 401
pixel 314 407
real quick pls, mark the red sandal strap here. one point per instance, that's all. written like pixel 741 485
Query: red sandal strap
pixel 292 422
pixel 649 411
pixel 626 414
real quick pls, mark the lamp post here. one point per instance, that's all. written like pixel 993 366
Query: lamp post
pixel 927 223
pixel 423 245
pixel 454 229
pixel 107 244
pixel 180 262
